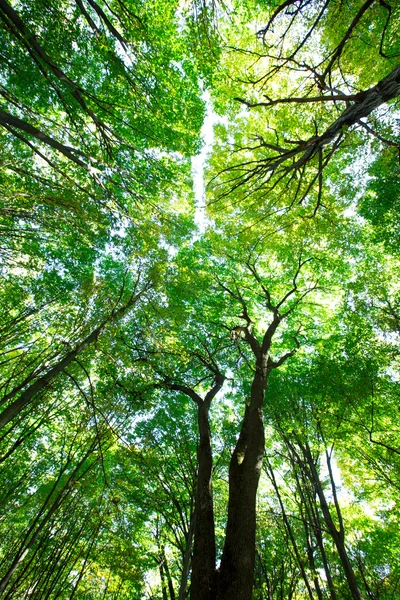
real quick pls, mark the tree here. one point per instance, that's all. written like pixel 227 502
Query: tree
pixel 312 51
pixel 185 413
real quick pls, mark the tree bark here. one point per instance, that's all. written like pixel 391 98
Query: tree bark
pixel 15 122
pixel 238 558
pixel 204 554
pixel 363 104
pixel 387 89
pixel 203 561
pixel 236 575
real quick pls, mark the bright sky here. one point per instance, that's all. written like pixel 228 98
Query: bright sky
pixel 198 162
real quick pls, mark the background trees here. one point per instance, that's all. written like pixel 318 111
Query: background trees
pixel 182 410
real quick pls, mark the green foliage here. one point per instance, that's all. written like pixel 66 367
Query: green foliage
pixel 380 204
pixel 115 304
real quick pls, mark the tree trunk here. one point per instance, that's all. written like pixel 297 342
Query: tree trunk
pixel 289 530
pixel 187 557
pixel 25 398
pixel 92 543
pixel 38 526
pixel 336 534
pixel 203 561
pixel 238 558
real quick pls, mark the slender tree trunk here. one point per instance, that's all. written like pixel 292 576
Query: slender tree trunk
pixel 187 557
pixel 311 557
pixel 203 561
pixel 92 543
pixel 26 397
pixel 46 416
pixel 162 576
pixel 169 579
pixel 336 534
pixel 65 562
pixel 68 565
pixel 40 567
pixel 308 503
pixel 37 527
pixel 314 517
pixel 290 532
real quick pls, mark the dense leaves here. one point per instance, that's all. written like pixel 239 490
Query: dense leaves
pixel 199 412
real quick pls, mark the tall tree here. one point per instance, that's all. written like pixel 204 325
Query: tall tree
pixel 199 413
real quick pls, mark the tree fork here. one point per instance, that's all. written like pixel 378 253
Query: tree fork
pixel 204 554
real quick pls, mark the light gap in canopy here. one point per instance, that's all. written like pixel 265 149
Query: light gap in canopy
pixel 199 161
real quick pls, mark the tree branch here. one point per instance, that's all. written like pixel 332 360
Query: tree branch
pixel 304 100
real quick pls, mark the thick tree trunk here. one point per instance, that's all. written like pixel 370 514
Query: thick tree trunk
pixel 238 558
pixel 362 105
pixel 236 575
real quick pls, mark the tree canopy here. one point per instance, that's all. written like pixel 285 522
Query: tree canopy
pixel 199 397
